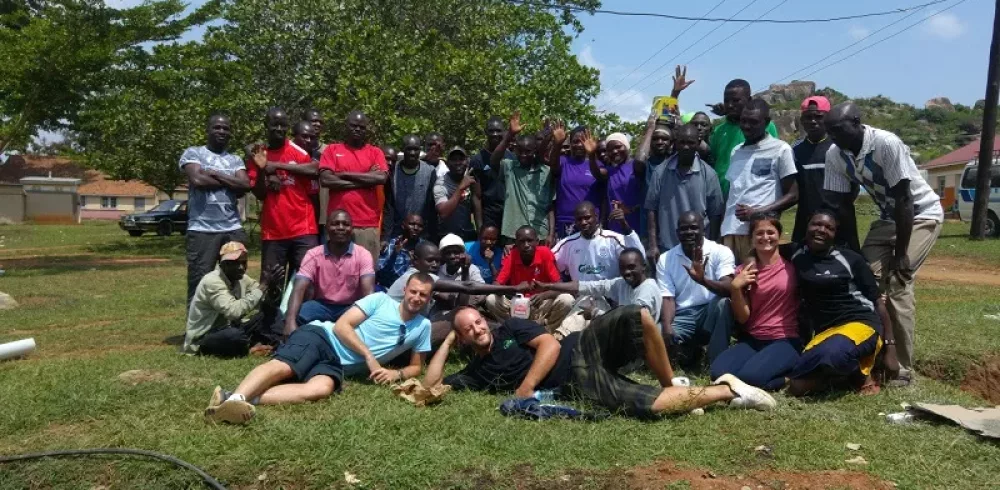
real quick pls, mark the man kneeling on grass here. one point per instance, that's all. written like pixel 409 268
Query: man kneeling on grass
pixel 519 355
pixel 373 331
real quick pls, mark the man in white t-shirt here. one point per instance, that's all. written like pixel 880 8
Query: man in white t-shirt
pixel 910 221
pixel 761 179
pixel 591 254
pixel 694 279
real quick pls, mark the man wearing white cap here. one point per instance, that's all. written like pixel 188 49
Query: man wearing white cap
pixel 222 299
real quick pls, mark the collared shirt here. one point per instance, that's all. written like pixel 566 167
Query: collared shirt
pixel 675 282
pixel 529 197
pixel 216 304
pixel 620 293
pixel 212 210
pixel 595 258
pixel 542 268
pixel 884 160
pixel 336 279
pixel 287 213
pixel 672 192
pixel 391 264
pixel 755 173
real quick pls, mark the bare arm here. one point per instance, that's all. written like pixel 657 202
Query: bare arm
pixel 435 370
pixel 199 178
pixel 240 182
pixel 903 216
pixel 572 287
pixel 496 158
pixel 447 208
pixel 365 179
pixel 295 304
pixel 415 367
pixel 642 154
pixel 790 196
pixel 554 159
pixel 259 189
pixel 474 288
pixel 477 205
pixel 304 169
pixel 652 235
pixel 667 318
pixel 344 330
pixel 546 354
pixel 333 181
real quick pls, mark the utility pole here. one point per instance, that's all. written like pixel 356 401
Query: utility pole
pixel 982 199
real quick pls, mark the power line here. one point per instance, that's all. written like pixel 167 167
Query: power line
pixel 880 41
pixel 621 96
pixel 665 46
pixel 723 20
pixel 741 29
pixel 845 48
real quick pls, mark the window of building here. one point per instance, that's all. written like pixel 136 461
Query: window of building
pixel 83 201
pixel 941 185
pixel 109 202
pixel 140 204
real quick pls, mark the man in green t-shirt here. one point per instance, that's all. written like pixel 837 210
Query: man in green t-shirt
pixel 529 196
pixel 728 135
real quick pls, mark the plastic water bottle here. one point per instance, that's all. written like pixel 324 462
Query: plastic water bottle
pixel 900 418
pixel 545 396
pixel 520 307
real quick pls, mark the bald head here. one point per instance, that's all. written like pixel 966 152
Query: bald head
pixel 357 128
pixel 688 217
pixel 843 124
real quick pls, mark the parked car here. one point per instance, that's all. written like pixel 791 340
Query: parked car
pixel 967 194
pixel 166 218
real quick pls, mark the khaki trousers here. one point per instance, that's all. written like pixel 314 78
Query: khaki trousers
pixel 741 245
pixel 550 314
pixel 898 286
pixel 368 238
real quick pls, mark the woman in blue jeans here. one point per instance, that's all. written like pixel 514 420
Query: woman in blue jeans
pixel 765 302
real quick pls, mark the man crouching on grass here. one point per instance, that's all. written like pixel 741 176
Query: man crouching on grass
pixel 520 356
pixel 316 357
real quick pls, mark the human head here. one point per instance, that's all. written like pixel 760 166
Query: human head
pixel 632 266
pixel 433 147
pixel 703 123
pixel 357 128
pixel 276 125
pixel 565 149
pixel 426 257
pixel 452 249
pixel 411 150
pixel 813 110
pixel 413 226
pixel 690 231
pixel 304 136
pixel 339 228
pixel 390 155
pixel 494 132
pixel 315 118
pixel 843 124
pixel 526 241
pixel 617 148
pixel 686 143
pixel 218 131
pixel 662 141
pixel 756 116
pixel 602 150
pixel 765 232
pixel 488 236
pixel 576 148
pixel 471 328
pixel 735 98
pixel 457 162
pixel 821 231
pixel 585 218
pixel 526 146
pixel 417 292
pixel 233 261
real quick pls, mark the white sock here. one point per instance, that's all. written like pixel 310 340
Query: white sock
pixel 236 396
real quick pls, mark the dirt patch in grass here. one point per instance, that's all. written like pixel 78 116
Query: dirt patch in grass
pixel 983 379
pixel 82 260
pixel 667 474
pixel 139 376
pixel 961 271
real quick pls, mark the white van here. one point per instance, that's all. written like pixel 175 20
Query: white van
pixel 967 192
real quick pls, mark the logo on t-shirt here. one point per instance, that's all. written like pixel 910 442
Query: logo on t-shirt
pixel 508 343
pixel 591 269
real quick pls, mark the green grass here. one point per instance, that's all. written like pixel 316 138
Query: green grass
pixel 97 320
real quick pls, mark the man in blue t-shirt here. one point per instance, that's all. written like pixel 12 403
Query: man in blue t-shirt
pixel 216 180
pixel 316 356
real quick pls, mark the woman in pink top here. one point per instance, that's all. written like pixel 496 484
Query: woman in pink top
pixel 765 302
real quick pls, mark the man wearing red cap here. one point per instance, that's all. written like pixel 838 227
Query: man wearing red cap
pixel 810 159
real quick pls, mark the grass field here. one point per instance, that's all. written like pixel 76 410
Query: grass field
pixel 100 303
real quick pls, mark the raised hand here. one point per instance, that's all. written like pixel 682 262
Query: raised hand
pixel 558 133
pixel 515 123
pixel 680 79
pixel 259 156
pixel 467 181
pixel 617 212
pixel 719 109
pixel 488 254
pixel 398 246
pixel 746 277
pixel 589 142
pixel 697 268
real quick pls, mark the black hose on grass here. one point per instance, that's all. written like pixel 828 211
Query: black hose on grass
pixel 211 482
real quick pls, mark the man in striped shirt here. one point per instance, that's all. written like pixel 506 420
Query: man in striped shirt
pixel 911 213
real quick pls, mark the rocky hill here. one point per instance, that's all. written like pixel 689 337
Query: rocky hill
pixel 937 128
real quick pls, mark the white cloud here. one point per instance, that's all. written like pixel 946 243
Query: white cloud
pixel 945 26
pixel 587 58
pixel 858 33
pixel 617 95
pixel 630 105
pixel 118 4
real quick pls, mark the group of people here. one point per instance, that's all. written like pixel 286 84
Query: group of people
pixel 557 261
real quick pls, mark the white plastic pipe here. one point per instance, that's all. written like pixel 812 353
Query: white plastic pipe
pixel 16 349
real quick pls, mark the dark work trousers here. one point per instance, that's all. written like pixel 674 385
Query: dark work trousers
pixel 203 254
pixel 265 327
pixel 288 253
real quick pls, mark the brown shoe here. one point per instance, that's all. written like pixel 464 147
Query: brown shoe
pixel 230 412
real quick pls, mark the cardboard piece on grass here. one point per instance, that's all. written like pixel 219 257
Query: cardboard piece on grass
pixel 414 392
pixel 982 421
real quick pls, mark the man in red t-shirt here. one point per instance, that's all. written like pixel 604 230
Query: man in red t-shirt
pixel 281 176
pixel 531 263
pixel 355 172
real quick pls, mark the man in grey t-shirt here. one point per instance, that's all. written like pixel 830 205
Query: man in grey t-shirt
pixel 409 191
pixel 216 181
pixel 457 197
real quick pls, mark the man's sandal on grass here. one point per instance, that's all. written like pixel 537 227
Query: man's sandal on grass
pixel 228 411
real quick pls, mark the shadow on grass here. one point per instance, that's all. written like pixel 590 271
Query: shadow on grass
pixel 175 340
pixel 149 246
pixel 64 264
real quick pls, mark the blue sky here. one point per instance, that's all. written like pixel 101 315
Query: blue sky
pixel 944 56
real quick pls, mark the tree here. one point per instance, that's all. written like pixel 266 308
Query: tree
pixel 56 51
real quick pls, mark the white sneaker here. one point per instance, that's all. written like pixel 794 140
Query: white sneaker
pixel 746 396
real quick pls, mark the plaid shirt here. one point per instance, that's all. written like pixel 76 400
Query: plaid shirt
pixel 391 265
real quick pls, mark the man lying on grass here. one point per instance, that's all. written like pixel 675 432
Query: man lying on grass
pixel 520 356
pixel 312 363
